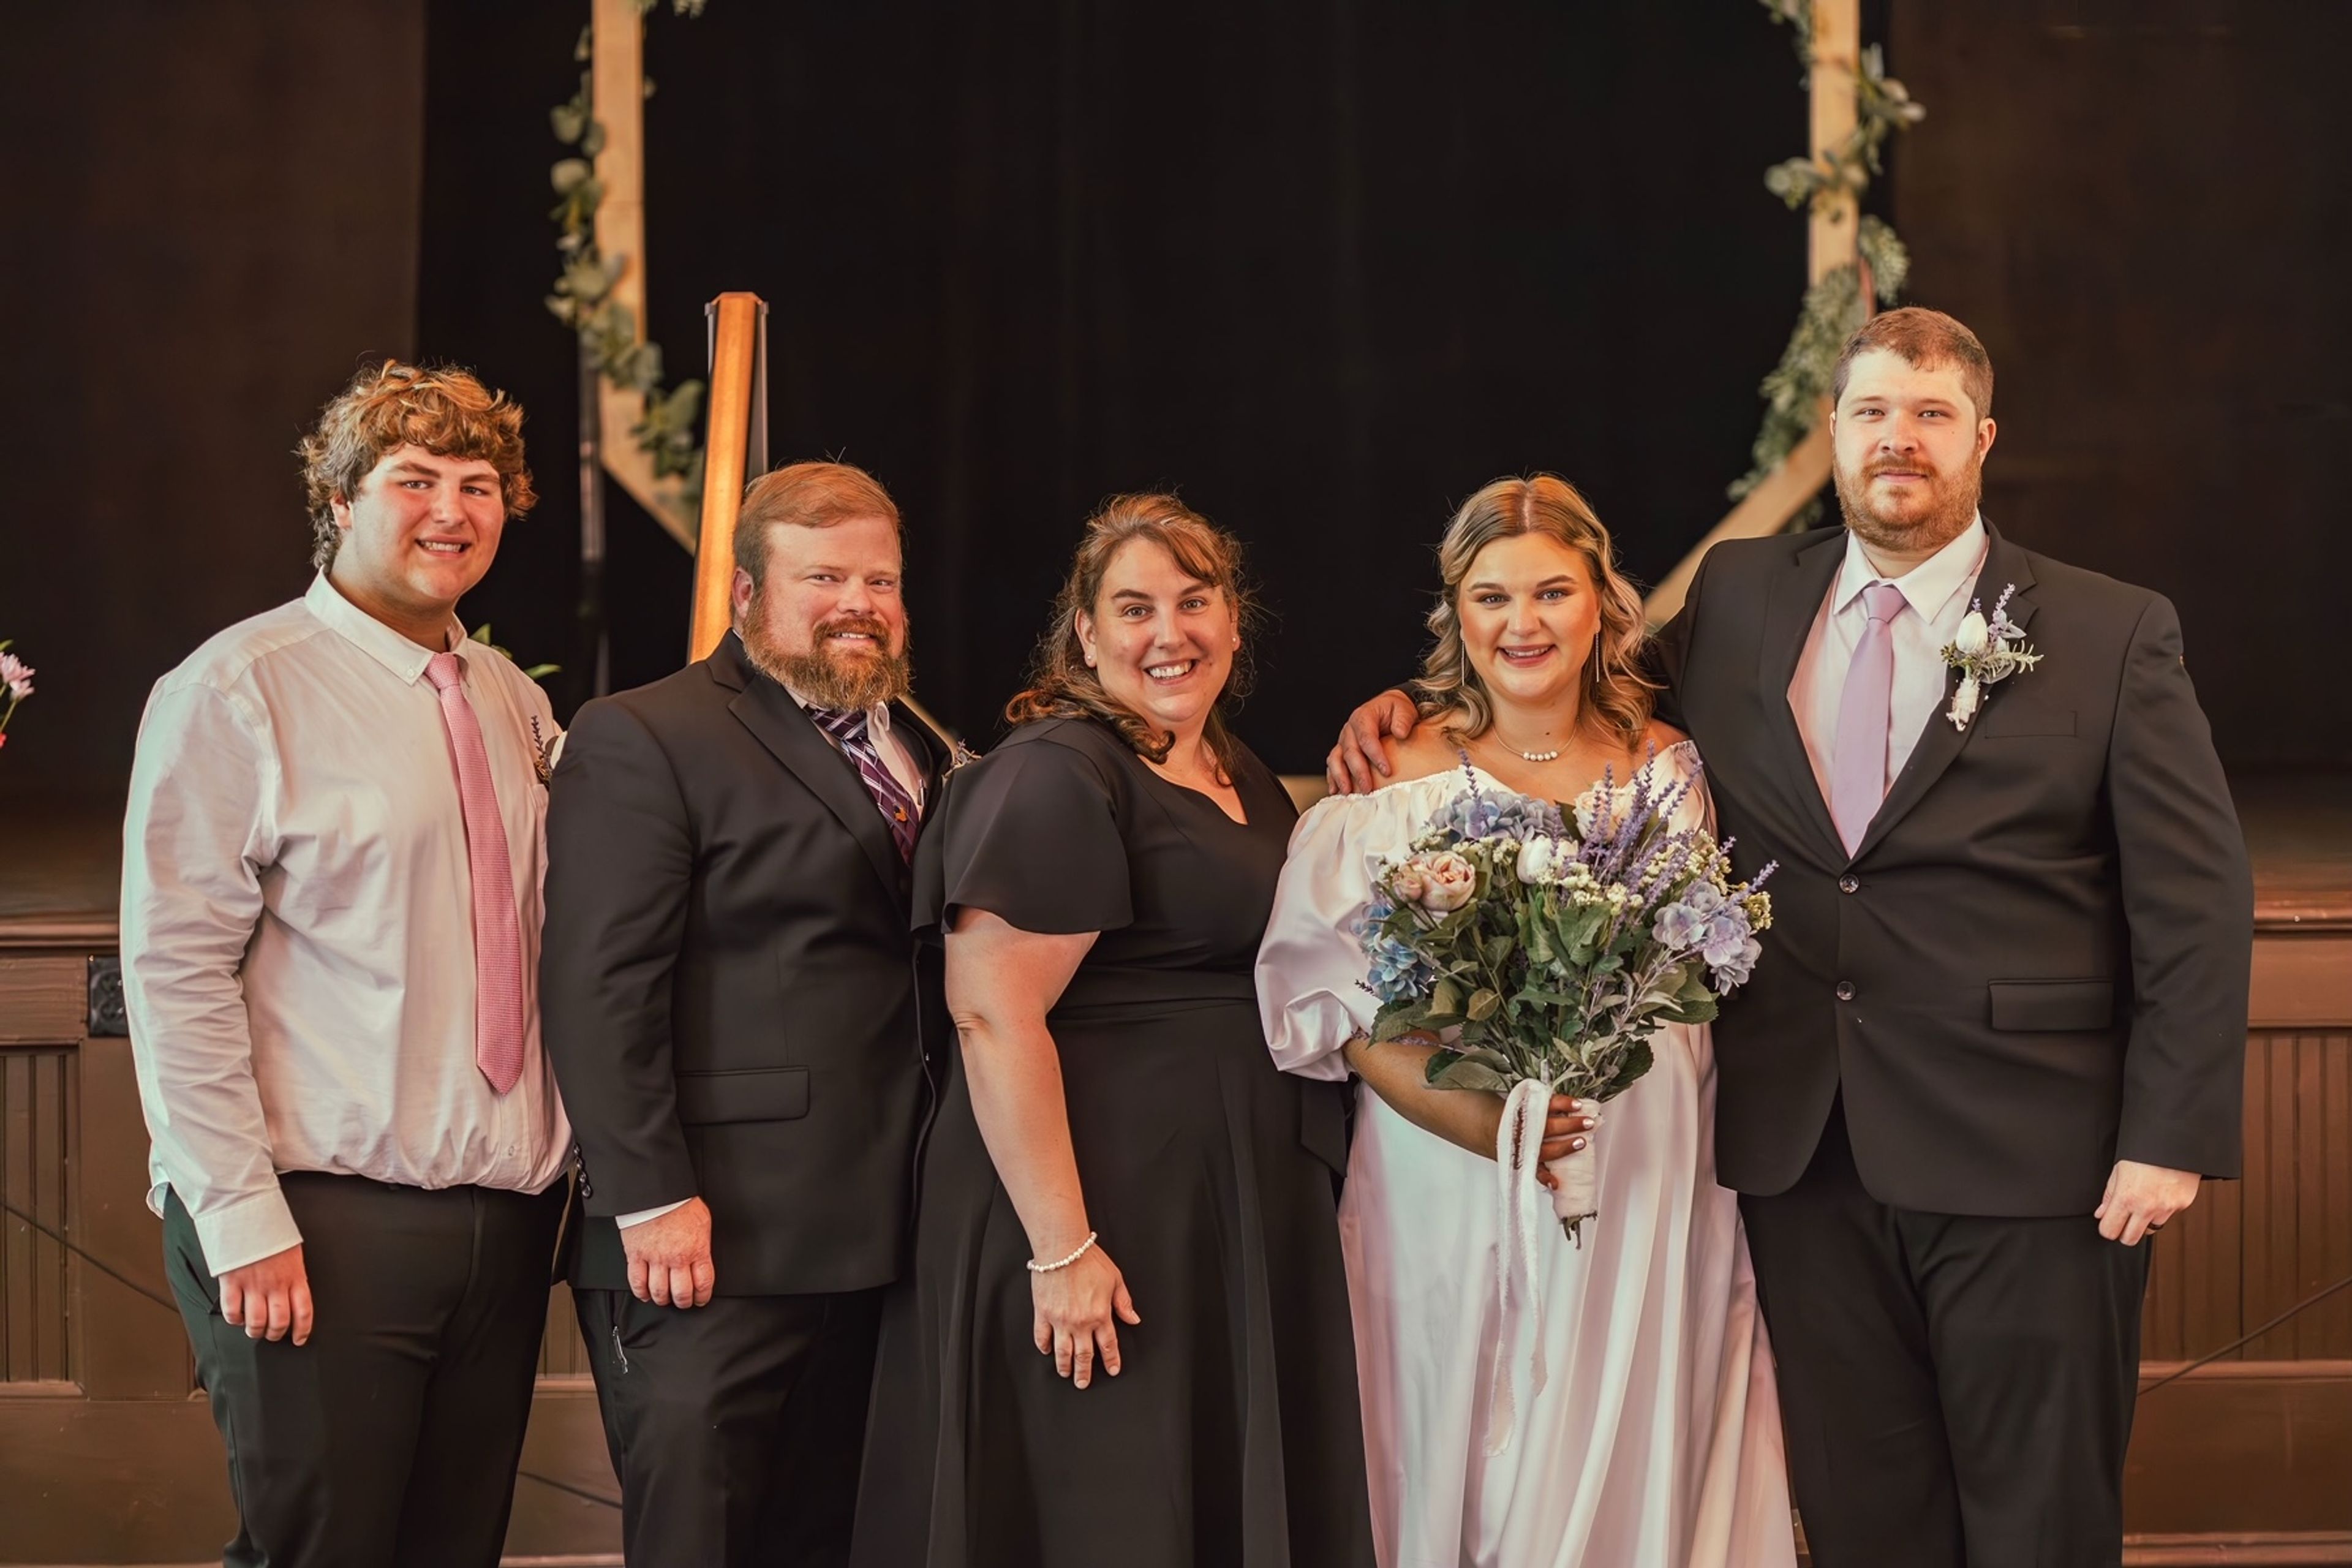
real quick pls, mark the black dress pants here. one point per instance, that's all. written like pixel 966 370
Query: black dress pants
pixel 390 1440
pixel 737 1427
pixel 1958 1390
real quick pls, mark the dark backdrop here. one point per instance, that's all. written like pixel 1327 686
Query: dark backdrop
pixel 212 221
pixel 2144 207
pixel 1326 267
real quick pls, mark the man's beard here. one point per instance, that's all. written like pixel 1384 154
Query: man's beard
pixel 1950 510
pixel 826 677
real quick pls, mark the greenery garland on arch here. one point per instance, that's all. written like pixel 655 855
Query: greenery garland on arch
pixel 666 433
pixel 1833 307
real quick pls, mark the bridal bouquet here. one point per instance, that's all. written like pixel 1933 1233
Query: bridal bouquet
pixel 1546 945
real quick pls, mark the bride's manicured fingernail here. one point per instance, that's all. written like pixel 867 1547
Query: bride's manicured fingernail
pixel 1574 1144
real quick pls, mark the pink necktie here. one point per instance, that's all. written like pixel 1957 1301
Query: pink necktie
pixel 1858 752
pixel 498 934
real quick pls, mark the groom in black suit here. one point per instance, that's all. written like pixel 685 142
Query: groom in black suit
pixel 737 1019
pixel 1997 1035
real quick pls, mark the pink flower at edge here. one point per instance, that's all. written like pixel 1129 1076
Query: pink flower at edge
pixel 18 676
pixel 1449 881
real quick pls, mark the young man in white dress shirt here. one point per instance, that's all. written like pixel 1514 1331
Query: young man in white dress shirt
pixel 330 911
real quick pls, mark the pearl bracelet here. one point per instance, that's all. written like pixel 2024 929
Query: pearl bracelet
pixel 1037 1267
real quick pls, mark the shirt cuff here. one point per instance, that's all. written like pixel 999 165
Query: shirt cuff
pixel 245 1230
pixel 639 1216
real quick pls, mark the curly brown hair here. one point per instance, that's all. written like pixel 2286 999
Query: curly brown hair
pixel 1062 686
pixel 1618 695
pixel 441 408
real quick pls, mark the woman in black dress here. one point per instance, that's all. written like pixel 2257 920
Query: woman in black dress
pixel 1127 1336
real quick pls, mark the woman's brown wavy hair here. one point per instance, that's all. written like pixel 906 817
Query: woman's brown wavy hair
pixel 1617 696
pixel 1061 685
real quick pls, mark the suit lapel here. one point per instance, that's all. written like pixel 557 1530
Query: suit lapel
pixel 1940 743
pixel 768 711
pixel 1788 616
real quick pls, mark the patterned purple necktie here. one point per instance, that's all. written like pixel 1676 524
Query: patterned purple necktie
pixel 1858 752
pixel 849 728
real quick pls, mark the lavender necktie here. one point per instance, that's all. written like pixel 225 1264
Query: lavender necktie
pixel 1858 751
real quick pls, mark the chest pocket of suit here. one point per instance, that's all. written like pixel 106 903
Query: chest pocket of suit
pixel 742 1094
pixel 2002 721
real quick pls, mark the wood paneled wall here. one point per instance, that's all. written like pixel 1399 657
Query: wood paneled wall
pixel 36 1111
pixel 2250 1249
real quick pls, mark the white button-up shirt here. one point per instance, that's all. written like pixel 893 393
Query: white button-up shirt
pixel 1936 596
pixel 298 948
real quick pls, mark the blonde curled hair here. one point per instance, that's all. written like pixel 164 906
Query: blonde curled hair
pixel 1061 684
pixel 1617 697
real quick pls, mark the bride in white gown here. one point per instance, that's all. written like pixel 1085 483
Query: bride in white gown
pixel 1655 1441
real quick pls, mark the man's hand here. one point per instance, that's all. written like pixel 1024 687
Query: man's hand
pixel 269 1298
pixel 669 1256
pixel 1363 748
pixel 2140 1198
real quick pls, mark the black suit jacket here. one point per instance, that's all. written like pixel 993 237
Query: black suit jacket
pixel 2037 961
pixel 727 989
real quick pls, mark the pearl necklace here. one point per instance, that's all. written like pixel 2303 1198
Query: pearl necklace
pixel 1552 755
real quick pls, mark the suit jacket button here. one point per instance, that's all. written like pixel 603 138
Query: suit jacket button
pixel 1845 990
pixel 1849 885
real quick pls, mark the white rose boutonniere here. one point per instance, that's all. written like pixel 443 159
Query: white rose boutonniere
pixel 1986 651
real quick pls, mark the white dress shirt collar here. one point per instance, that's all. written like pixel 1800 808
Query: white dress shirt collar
pixel 1928 587
pixel 405 659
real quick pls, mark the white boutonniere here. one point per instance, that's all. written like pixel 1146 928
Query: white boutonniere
pixel 1985 650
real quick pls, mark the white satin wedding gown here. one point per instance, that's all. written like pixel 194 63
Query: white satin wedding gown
pixel 1656 1441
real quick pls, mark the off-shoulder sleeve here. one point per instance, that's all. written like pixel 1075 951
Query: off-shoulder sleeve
pixel 1030 834
pixel 1310 968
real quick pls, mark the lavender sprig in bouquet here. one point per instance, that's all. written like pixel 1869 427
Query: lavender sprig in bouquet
pixel 1546 946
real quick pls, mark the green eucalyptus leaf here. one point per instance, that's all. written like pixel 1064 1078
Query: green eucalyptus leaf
pixel 1397 1020
pixel 1448 1070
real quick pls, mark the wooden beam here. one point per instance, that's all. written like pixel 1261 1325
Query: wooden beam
pixel 734 361
pixel 1829 244
pixel 1837 67
pixel 1765 510
pixel 617 91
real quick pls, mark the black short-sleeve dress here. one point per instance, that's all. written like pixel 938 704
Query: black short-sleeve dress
pixel 1231 1434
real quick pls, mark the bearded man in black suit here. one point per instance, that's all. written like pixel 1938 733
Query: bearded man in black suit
pixel 1996 1038
pixel 737 1018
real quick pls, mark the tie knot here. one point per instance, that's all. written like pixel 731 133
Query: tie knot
pixel 1882 601
pixel 846 725
pixel 445 670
